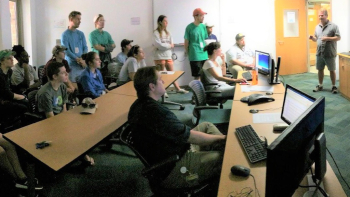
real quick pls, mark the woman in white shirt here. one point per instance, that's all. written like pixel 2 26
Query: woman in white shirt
pixel 163 44
pixel 135 61
pixel 213 71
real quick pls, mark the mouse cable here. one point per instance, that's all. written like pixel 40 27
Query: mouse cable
pixel 336 165
pixel 256 189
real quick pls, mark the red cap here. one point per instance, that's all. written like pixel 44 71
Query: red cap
pixel 198 11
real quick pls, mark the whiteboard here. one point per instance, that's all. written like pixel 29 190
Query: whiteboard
pixel 179 15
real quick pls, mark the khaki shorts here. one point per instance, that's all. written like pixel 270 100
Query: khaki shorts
pixel 322 61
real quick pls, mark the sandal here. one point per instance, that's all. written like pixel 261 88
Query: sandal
pixel 88 161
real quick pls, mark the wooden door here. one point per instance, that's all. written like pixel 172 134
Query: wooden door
pixel 293 50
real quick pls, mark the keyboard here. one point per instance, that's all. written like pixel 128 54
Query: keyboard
pixel 247 75
pixel 253 146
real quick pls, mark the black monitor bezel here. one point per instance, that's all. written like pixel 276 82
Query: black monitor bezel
pixel 269 63
pixel 284 100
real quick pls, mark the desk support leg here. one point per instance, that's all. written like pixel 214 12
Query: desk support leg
pixel 31 176
pixel 172 103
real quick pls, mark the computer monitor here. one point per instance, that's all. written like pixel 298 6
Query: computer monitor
pixel 292 154
pixel 294 104
pixel 263 62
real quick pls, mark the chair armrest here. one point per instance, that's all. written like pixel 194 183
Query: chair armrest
pixel 229 76
pixel 34 115
pixel 149 170
pixel 210 84
pixel 70 104
pixel 212 91
pixel 205 107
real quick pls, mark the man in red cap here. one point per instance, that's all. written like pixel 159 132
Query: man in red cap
pixel 195 35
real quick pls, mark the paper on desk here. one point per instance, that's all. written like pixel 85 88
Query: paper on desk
pixel 267 118
pixel 167 72
pixel 246 88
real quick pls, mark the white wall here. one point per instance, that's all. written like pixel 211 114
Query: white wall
pixel 341 16
pixel 5 25
pixel 254 18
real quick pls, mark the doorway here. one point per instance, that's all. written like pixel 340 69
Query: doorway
pixel 313 7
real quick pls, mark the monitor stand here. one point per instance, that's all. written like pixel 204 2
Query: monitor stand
pixel 273 81
pixel 313 191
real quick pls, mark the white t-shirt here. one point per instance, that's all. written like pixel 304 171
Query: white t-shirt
pixel 18 75
pixel 131 65
pixel 217 67
pixel 235 53
pixel 162 45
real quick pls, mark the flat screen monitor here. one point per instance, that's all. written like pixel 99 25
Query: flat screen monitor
pixel 294 104
pixel 292 154
pixel 263 62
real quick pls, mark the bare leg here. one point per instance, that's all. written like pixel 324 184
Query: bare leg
pixel 170 67
pixel 320 76
pixel 9 160
pixel 333 77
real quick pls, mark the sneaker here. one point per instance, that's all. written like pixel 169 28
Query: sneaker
pixel 182 91
pixel 318 88
pixel 334 90
pixel 166 95
pixel 24 184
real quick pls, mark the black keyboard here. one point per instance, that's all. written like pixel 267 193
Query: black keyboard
pixel 247 75
pixel 253 146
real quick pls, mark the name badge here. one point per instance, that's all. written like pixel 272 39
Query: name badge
pixel 76 50
pixel 201 44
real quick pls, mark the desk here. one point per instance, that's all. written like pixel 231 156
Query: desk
pixel 128 88
pixel 278 92
pixel 235 155
pixel 72 134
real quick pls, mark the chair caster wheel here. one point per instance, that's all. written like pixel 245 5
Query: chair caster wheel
pixel 182 107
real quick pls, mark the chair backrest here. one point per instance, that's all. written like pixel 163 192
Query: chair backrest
pixel 203 77
pixel 126 136
pixel 199 92
pixel 33 101
pixel 41 73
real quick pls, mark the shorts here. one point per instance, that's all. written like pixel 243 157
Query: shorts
pixel 196 67
pixel 163 63
pixel 322 61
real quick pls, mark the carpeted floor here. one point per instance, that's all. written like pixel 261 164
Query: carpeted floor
pixel 116 173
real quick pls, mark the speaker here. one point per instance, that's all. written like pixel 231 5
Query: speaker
pixel 272 72
pixel 278 68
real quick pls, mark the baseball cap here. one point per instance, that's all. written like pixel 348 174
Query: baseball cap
pixel 88 106
pixel 6 53
pixel 239 36
pixel 125 42
pixel 209 24
pixel 58 48
pixel 198 11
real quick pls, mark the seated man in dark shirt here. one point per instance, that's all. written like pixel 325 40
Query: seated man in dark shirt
pixel 11 104
pixel 162 135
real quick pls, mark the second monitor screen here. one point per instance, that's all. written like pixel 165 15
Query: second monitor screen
pixel 262 62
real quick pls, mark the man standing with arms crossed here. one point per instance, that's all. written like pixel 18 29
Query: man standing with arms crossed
pixel 195 35
pixel 326 34
pixel 75 42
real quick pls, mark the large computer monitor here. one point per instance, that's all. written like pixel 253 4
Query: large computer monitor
pixel 295 103
pixel 292 154
pixel 263 62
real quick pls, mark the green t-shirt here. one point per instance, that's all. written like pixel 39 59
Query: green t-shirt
pixel 196 36
pixel 97 37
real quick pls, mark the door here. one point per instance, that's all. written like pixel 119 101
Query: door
pixel 291 35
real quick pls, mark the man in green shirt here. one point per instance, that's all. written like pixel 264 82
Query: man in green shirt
pixel 195 35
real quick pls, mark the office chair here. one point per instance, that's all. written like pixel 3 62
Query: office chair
pixel 204 113
pixel 151 172
pixel 212 99
pixel 33 115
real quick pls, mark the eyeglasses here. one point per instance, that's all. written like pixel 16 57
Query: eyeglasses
pixel 91 105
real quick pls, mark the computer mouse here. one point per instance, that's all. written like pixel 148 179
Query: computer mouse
pixel 253 111
pixel 269 93
pixel 239 170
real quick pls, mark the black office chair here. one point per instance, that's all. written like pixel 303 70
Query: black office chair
pixel 204 113
pixel 212 99
pixel 33 115
pixel 151 172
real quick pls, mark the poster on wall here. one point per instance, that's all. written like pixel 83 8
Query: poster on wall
pixel 290 23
